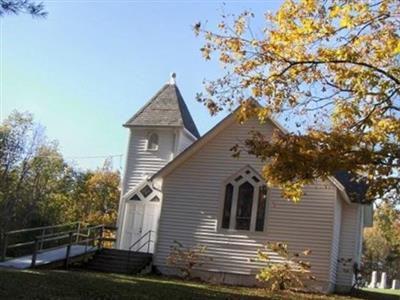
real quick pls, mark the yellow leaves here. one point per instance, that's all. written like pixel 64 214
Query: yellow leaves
pixel 344 113
pixel 240 24
pixel 383 129
pixel 360 7
pixel 293 191
pixel 249 65
pixel 235 45
pixel 289 274
pixel 263 113
pixel 224 58
pixel 396 46
pixel 205 51
pixel 326 64
pixel 383 7
pixel 262 255
pixel 247 109
pixel 346 20
pixel 280 16
pixel 308 26
pixel 254 43
pixel 327 29
pixel 388 125
pixel 256 91
pixel 309 5
pixel 334 11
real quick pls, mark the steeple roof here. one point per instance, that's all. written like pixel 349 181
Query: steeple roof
pixel 165 108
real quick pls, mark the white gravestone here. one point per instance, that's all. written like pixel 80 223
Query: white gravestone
pixel 373 280
pixel 395 284
pixel 383 281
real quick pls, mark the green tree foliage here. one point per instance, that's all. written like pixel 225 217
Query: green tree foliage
pixel 382 242
pixel 15 7
pixel 38 187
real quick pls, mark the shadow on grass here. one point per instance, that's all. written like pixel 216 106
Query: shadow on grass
pixel 370 295
pixel 78 285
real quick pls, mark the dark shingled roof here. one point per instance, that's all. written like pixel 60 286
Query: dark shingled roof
pixel 356 190
pixel 166 108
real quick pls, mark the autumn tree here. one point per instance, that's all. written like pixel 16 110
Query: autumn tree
pixel 33 174
pixel 332 67
pixel 382 242
pixel 97 196
pixel 15 7
pixel 39 187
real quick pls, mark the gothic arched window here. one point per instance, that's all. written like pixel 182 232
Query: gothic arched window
pixel 152 142
pixel 245 202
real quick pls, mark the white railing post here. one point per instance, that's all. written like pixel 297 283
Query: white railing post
pixel 42 238
pixel 78 232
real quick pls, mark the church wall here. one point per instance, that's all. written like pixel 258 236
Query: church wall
pixel 350 235
pixel 337 222
pixel 142 163
pixel 192 199
pixel 185 140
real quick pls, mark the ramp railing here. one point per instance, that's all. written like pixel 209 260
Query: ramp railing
pixel 40 239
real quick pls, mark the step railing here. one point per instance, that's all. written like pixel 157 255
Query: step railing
pixel 147 242
pixel 78 234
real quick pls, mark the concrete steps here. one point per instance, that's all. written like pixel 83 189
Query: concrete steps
pixel 119 261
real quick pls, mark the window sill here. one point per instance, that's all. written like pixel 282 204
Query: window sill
pixel 240 232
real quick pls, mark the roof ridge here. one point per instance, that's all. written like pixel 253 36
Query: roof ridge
pixel 186 117
pixel 146 104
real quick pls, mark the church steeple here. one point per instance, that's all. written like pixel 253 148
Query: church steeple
pixel 165 108
pixel 158 132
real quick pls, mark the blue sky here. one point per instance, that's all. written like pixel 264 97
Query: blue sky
pixel 90 65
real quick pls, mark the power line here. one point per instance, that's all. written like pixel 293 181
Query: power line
pixel 93 156
pixel 74 157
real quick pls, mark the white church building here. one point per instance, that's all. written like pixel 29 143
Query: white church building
pixel 180 186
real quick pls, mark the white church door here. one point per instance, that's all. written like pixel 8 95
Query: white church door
pixel 141 225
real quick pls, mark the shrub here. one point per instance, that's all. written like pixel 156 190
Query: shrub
pixel 186 258
pixel 290 274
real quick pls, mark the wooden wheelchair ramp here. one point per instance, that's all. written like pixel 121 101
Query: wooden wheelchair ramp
pixel 48 257
pixel 52 245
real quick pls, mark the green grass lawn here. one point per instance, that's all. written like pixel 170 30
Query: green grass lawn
pixel 384 291
pixel 84 285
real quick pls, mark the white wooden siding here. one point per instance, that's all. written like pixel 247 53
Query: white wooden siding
pixel 141 162
pixel 336 238
pixel 349 241
pixel 185 140
pixel 192 196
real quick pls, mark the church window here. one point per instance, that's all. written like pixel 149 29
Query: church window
pixel 244 206
pixel 155 199
pixel 227 205
pixel 245 202
pixel 152 143
pixel 146 191
pixel 135 198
